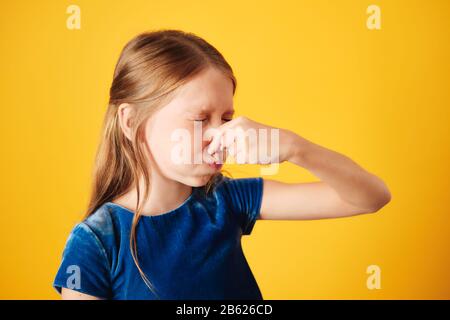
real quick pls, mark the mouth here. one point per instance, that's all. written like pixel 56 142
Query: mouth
pixel 213 161
pixel 215 166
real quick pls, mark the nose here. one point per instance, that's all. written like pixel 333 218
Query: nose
pixel 209 130
pixel 215 123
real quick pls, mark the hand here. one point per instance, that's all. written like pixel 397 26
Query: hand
pixel 251 142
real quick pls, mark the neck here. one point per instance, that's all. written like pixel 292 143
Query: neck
pixel 165 195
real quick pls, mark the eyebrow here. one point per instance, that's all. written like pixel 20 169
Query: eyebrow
pixel 230 112
pixel 203 110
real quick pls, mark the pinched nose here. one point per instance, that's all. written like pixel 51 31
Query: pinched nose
pixel 217 157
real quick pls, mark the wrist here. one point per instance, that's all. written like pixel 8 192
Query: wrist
pixel 297 147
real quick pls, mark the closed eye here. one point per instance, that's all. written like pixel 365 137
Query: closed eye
pixel 202 120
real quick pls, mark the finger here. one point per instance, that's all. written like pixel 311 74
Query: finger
pixel 227 139
pixel 229 147
pixel 208 158
pixel 232 150
pixel 240 156
pixel 215 142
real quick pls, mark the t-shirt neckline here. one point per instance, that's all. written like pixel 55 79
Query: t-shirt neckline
pixel 167 213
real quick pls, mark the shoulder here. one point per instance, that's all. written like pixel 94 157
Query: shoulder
pixel 86 260
pixel 97 231
pixel 239 193
pixel 234 186
pixel 101 221
pixel 242 196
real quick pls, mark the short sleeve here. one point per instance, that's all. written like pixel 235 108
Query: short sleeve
pixel 245 196
pixel 84 266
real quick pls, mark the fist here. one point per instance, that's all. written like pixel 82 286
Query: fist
pixel 248 142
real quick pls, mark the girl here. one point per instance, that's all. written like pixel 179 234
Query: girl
pixel 159 229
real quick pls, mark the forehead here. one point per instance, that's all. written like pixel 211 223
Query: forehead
pixel 209 90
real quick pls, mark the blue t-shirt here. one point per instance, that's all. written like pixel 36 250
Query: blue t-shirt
pixel 191 252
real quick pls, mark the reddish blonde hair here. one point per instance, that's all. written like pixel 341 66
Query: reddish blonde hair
pixel 150 68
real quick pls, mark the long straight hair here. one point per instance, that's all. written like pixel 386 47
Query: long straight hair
pixel 150 68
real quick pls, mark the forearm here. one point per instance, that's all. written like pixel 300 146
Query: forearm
pixel 353 183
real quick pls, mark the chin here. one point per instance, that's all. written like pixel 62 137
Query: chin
pixel 197 180
pixel 196 177
pixel 200 181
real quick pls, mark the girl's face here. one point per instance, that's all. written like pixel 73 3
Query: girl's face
pixel 203 103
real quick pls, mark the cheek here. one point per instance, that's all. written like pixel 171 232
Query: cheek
pixel 163 141
pixel 197 142
pixel 158 139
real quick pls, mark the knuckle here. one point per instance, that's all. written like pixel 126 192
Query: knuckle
pixel 241 119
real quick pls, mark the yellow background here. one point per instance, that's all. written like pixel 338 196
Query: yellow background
pixel 379 96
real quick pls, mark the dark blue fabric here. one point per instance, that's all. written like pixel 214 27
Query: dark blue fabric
pixel 192 252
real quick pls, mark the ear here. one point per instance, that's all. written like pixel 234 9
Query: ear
pixel 126 113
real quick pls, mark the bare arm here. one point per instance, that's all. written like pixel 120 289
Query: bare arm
pixel 345 188
pixel 68 294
